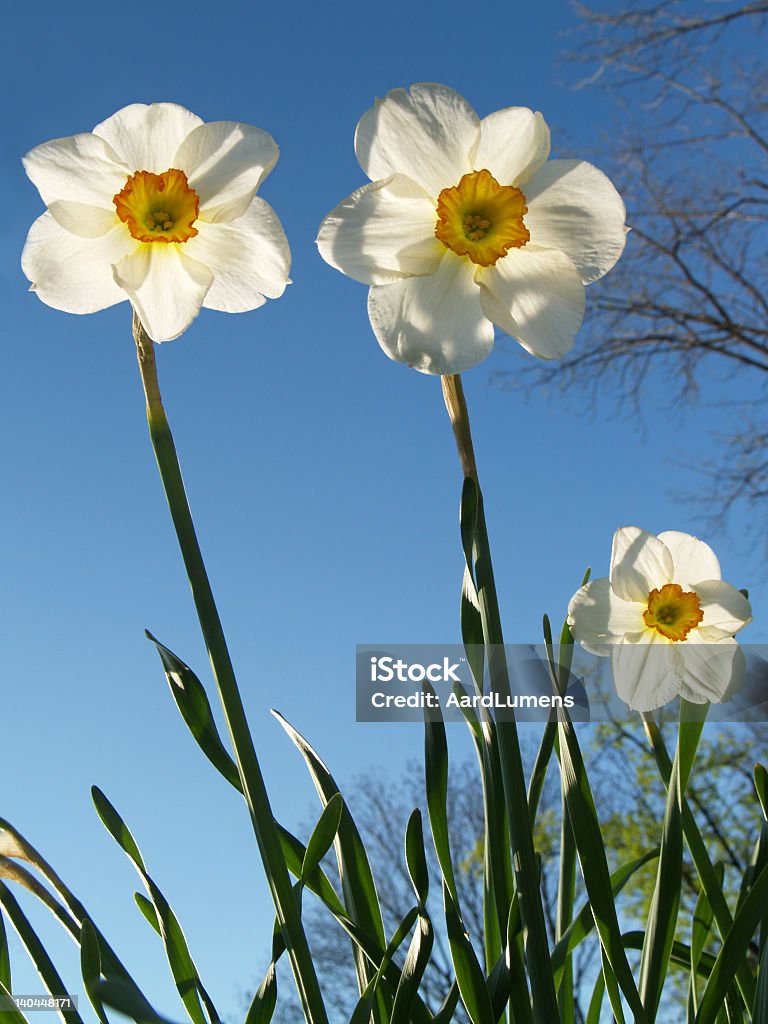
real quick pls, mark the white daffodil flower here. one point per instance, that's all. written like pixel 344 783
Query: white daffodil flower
pixel 466 225
pixel 666 619
pixel 157 207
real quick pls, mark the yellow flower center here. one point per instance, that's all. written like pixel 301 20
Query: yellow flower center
pixel 158 207
pixel 672 611
pixel 481 219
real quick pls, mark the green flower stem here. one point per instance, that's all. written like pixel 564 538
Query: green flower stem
pixel 525 865
pixel 254 790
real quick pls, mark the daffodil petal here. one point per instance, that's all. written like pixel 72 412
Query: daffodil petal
pixel 725 609
pixel 640 563
pixel 536 296
pixel 81 169
pixel 711 671
pixel 645 672
pixel 430 133
pixel 225 162
pixel 434 324
pixel 72 273
pixel 514 143
pixel 147 137
pixel 382 232
pixel 249 258
pixel 83 220
pixel 166 288
pixel 573 207
pixel 597 616
pixel 693 559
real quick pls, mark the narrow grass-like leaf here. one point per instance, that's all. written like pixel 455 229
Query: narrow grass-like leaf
pixel 595 1009
pixel 9 1012
pixel 704 868
pixel 612 988
pixel 264 1001
pixel 413 970
pixel 359 891
pixel 90 968
pixel 594 867
pixel 662 916
pixel 17 846
pixel 14 872
pixel 512 774
pixel 436 781
pixel 499 984
pixel 566 890
pixel 584 921
pixel 185 974
pixel 415 857
pixel 561 672
pixel 519 998
pixel 360 898
pixel 5 957
pixel 761 787
pixel 322 836
pixel 317 880
pixel 734 950
pixel 192 701
pixel 566 895
pixel 37 953
pixel 128 1001
pixel 362 1012
pixel 680 955
pixel 469 974
pixel 760 1009
pixel 147 908
pixel 448 1006
pixel 701 927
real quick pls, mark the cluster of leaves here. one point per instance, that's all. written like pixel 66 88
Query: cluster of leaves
pixel 488 963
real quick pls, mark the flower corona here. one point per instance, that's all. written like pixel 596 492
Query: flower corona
pixel 481 219
pixel 158 207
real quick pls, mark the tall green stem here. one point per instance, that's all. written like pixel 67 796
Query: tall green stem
pixel 254 790
pixel 524 859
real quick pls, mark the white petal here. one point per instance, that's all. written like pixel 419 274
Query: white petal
pixel 536 296
pixel 726 610
pixel 147 137
pixel 597 616
pixel 85 221
pixel 249 258
pixel 693 559
pixel 645 673
pixel 514 143
pixel 712 672
pixel 80 168
pixel 572 206
pixel 429 133
pixel 225 162
pixel 72 273
pixel 434 324
pixel 166 288
pixel 382 232
pixel 640 563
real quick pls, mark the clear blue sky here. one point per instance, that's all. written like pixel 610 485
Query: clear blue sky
pixel 322 476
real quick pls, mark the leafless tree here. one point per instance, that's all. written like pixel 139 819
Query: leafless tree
pixel 689 299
